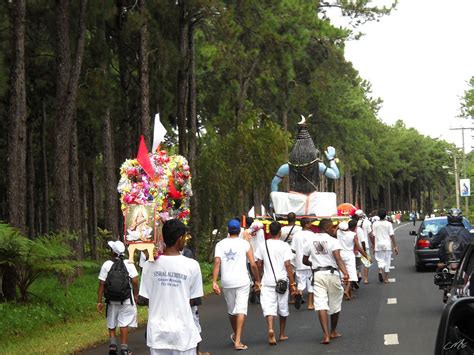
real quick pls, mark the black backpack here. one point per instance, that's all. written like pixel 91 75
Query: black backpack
pixel 454 244
pixel 117 284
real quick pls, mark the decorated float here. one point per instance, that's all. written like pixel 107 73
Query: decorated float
pixel 153 188
pixel 303 170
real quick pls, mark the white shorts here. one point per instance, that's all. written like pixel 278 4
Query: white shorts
pixel 274 303
pixel 237 299
pixel 303 280
pixel 349 259
pixel 383 258
pixel 327 291
pixel 122 315
pixel 172 352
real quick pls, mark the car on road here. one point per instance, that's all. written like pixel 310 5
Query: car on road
pixel 424 256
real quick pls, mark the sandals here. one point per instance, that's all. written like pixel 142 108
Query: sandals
pixel 232 338
pixel 241 347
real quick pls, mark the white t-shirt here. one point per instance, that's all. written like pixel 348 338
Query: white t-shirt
pixel 233 255
pixel 257 240
pixel 346 239
pixel 286 229
pixel 279 253
pixel 169 283
pixel 382 231
pixel 104 271
pixel 366 227
pixel 319 248
pixel 298 245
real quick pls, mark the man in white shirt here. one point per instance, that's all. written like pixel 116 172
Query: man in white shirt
pixel 169 283
pixel 366 227
pixel 290 230
pixel 384 242
pixel 303 272
pixel 121 313
pixel 322 254
pixel 230 258
pixel 274 260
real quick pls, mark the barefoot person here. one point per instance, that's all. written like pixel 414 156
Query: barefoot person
pixel 274 260
pixel 384 243
pixel 322 254
pixel 347 236
pixel 230 259
pixel 303 272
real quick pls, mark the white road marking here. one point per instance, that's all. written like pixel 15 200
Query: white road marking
pixel 391 301
pixel 392 280
pixel 392 267
pixel 390 339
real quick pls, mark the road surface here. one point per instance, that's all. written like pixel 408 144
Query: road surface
pixel 397 318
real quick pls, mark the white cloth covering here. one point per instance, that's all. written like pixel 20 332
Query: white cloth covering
pixel 279 252
pixel 298 245
pixel 320 248
pixel 232 252
pixel 382 231
pixel 237 299
pixel 304 280
pixel 169 283
pixel 273 303
pixel 321 204
pixel 384 259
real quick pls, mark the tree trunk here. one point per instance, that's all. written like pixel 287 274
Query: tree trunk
pixel 124 71
pixel 93 216
pixel 244 80
pixel 31 186
pixel 17 133
pixel 68 81
pixel 45 209
pixel 111 215
pixel 182 78
pixel 192 139
pixel 145 117
pixel 75 193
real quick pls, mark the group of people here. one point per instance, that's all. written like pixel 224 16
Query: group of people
pixel 293 260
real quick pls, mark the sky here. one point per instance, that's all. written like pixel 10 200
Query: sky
pixel 419 60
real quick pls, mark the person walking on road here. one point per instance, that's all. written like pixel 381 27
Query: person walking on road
pixel 349 241
pixel 303 272
pixel 322 254
pixel 230 259
pixel 169 283
pixel 115 278
pixel 274 260
pixel 384 243
pixel 290 230
pixel 366 227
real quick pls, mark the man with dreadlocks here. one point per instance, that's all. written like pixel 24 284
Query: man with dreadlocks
pixel 303 169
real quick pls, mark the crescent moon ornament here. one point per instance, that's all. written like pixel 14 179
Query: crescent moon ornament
pixel 303 120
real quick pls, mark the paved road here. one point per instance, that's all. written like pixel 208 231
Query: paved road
pixel 365 321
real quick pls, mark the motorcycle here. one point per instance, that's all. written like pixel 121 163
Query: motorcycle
pixel 444 277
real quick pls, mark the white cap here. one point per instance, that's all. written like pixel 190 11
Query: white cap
pixel 359 213
pixel 344 226
pixel 375 218
pixel 117 247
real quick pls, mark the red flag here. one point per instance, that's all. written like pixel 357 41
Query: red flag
pixel 144 159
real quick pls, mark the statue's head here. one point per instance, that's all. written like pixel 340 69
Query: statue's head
pixel 303 153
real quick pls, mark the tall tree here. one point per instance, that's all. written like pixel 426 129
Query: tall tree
pixel 69 70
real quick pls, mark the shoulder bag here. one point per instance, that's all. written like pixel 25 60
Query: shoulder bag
pixel 281 285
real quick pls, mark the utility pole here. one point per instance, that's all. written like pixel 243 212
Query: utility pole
pixel 458 191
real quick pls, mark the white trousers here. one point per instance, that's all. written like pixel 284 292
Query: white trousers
pixel 273 303
pixel 383 258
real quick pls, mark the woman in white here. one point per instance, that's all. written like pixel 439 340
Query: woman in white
pixel 349 242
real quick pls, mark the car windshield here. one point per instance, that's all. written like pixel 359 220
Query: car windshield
pixel 434 225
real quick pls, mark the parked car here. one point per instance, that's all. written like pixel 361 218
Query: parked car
pixel 424 256
pixel 456 331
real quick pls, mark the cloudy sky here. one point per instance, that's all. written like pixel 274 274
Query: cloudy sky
pixel 419 60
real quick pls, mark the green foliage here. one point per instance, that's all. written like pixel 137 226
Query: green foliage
pixel 467 102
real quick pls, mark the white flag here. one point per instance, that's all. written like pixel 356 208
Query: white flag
pixel 159 133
